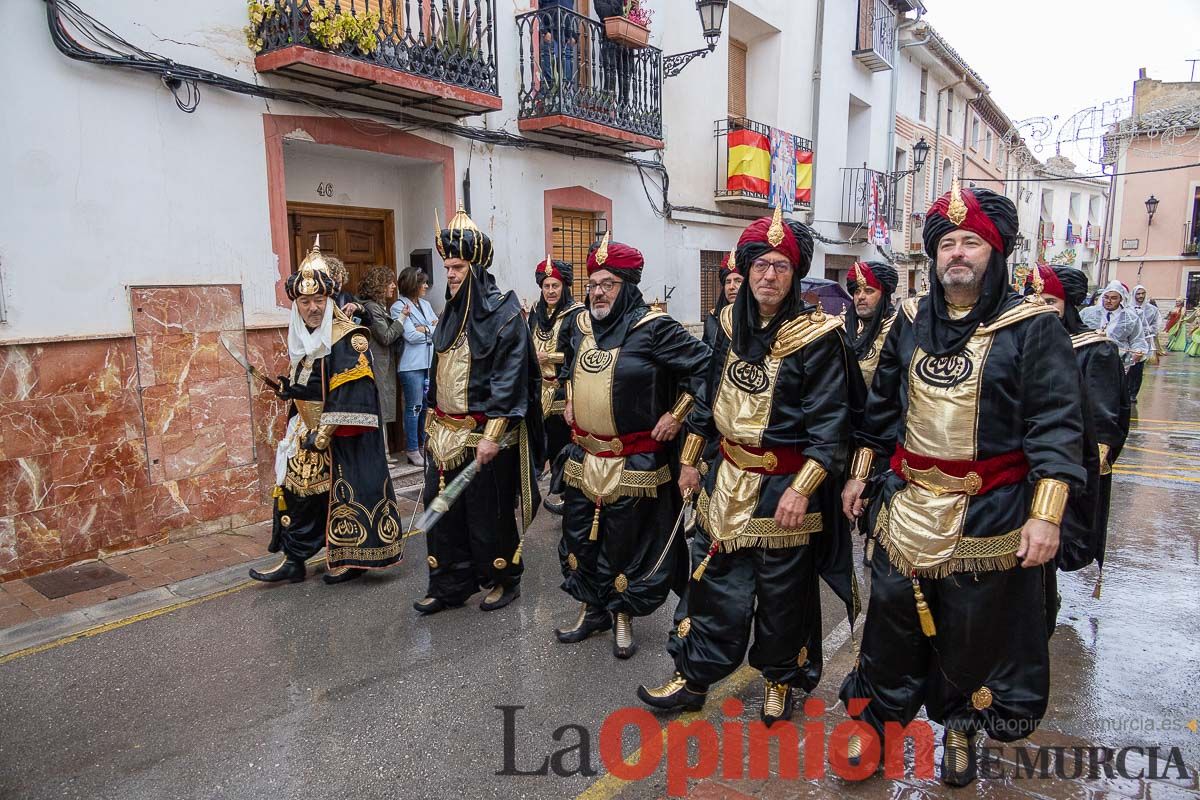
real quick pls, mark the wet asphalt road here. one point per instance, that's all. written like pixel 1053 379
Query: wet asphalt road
pixel 314 691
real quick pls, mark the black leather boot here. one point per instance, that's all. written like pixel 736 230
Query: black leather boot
pixel 288 570
pixel 432 605
pixel 591 620
pixel 958 758
pixel 674 694
pixel 623 644
pixel 777 702
pixel 342 574
pixel 499 597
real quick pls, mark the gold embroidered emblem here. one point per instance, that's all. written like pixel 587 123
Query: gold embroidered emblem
pixel 957 210
pixel 621 583
pixel 982 698
pixel 359 342
pixel 433 564
pixel 685 627
pixel 802 659
pixel 285 521
pixel 972 483
pixel 572 562
pixel 775 232
pixel 499 563
pixel 770 462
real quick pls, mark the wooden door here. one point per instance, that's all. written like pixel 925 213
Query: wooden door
pixel 361 237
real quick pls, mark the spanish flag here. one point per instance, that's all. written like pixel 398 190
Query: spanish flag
pixel 749 162
pixel 804 164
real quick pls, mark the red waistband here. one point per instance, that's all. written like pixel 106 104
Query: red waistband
pixel 778 460
pixel 617 446
pixel 982 476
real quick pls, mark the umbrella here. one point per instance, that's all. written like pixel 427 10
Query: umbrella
pixel 832 296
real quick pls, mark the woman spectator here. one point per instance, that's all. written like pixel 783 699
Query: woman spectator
pixel 413 365
pixel 378 289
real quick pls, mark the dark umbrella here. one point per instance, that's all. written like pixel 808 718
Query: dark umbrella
pixel 832 296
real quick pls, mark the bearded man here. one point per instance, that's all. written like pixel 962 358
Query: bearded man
pixel 976 402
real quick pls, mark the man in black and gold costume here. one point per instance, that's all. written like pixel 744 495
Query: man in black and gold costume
pixel 550 323
pixel 779 392
pixel 333 488
pixel 871 284
pixel 976 403
pixel 1107 409
pixel 484 388
pixel 731 282
pixel 634 376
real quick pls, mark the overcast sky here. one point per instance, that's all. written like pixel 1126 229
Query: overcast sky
pixel 1055 57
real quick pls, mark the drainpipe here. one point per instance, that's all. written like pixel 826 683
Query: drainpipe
pixel 818 55
pixel 896 48
pixel 937 135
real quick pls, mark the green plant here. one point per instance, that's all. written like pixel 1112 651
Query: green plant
pixel 259 11
pixel 332 30
pixel 456 33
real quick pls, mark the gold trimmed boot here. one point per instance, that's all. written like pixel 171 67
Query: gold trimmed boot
pixel 591 620
pixel 958 758
pixel 288 570
pixel 623 644
pixel 499 597
pixel 672 695
pixel 777 702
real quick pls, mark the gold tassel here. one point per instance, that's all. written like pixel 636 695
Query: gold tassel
pixel 1099 584
pixel 441 480
pixel 516 559
pixel 927 626
pixel 712 551
pixel 595 534
pixel 280 503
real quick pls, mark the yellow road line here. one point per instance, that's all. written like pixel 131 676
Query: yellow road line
pixel 1155 475
pixel 1128 465
pixel 608 785
pixel 1195 456
pixel 120 623
pixel 157 612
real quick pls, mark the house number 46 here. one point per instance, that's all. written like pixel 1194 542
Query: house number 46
pixel 325 189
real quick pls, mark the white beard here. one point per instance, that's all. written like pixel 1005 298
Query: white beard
pixel 600 313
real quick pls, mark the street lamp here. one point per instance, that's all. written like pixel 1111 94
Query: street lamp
pixel 1151 207
pixel 920 153
pixel 712 18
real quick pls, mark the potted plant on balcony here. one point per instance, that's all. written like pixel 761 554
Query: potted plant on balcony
pixel 632 28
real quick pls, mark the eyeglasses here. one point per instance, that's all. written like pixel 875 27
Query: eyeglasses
pixel 760 265
pixel 603 287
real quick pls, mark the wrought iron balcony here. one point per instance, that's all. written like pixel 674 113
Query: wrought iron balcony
pixel 578 85
pixel 1191 239
pixel 867 193
pixel 876 35
pixel 761 165
pixel 435 55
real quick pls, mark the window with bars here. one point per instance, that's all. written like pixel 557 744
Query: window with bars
pixel 710 279
pixel 574 233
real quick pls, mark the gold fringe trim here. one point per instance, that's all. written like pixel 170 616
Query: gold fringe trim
pixel 633 483
pixel 971 554
pixel 360 370
pixel 761 531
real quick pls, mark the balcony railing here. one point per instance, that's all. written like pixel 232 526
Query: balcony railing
pixel 439 55
pixel 1191 239
pixel 747 172
pixel 863 188
pixel 876 35
pixel 578 85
